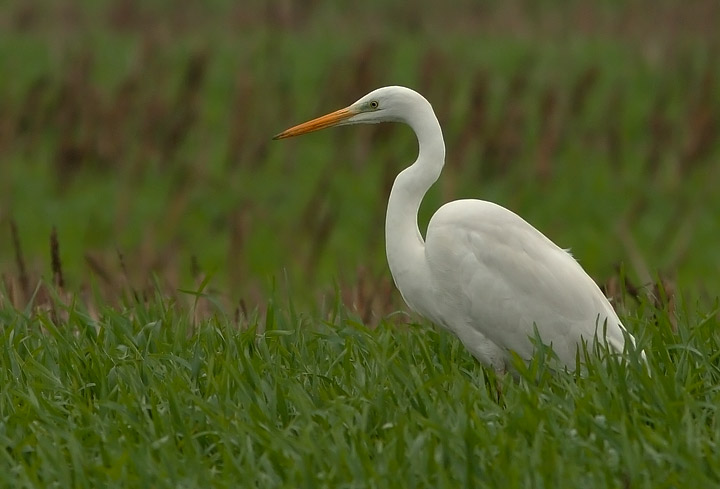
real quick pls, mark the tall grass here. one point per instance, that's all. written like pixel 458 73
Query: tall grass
pixel 144 395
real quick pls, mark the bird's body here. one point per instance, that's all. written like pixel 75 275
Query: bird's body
pixel 482 271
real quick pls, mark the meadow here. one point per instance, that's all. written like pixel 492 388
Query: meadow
pixel 186 303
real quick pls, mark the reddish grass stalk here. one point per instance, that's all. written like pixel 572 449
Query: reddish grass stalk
pixel 55 259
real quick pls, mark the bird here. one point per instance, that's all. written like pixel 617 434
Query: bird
pixel 481 271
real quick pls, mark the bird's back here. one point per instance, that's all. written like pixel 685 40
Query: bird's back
pixel 495 277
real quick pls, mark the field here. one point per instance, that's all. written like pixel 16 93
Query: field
pixel 186 303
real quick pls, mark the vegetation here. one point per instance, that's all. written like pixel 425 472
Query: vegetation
pixel 184 303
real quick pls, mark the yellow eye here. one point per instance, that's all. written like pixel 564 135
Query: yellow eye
pixel 374 104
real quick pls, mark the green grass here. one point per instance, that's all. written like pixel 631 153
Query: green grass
pixel 141 132
pixel 144 396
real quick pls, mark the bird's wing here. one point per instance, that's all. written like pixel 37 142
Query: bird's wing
pixel 498 274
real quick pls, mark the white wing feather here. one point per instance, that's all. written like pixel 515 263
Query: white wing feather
pixel 495 276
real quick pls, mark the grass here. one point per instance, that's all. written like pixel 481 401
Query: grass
pixel 145 396
pixel 146 220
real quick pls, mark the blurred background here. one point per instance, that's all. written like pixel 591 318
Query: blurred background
pixel 140 131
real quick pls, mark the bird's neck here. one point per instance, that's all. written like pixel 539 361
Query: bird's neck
pixel 404 244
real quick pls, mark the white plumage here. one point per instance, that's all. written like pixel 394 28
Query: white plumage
pixel 482 272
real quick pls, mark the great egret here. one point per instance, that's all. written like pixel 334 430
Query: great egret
pixel 482 271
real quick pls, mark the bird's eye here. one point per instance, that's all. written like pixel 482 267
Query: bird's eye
pixel 374 104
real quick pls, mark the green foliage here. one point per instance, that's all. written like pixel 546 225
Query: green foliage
pixel 145 396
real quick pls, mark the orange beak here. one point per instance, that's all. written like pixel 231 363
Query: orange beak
pixel 322 122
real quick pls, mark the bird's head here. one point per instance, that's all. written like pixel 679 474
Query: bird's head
pixel 386 104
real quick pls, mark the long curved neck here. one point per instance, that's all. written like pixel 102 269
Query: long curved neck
pixel 404 245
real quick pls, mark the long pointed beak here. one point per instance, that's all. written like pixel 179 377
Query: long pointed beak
pixel 322 122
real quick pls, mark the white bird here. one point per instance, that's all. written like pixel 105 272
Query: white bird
pixel 482 271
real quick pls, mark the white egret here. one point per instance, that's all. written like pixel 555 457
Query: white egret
pixel 482 271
